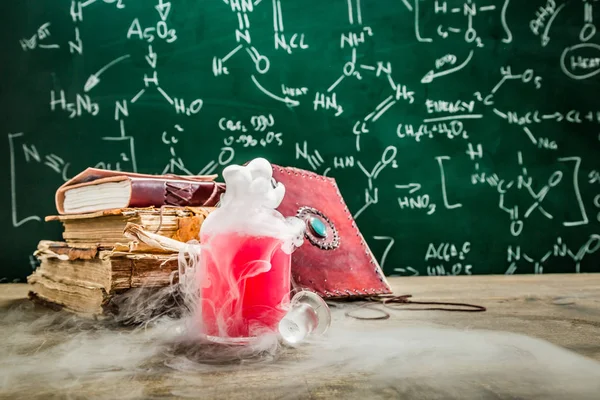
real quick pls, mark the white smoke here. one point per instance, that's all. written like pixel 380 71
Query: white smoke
pixel 242 270
pixel 153 347
pixel 249 204
pixel 47 354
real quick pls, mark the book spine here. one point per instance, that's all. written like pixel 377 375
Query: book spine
pixel 148 193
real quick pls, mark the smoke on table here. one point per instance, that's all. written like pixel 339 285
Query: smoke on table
pixel 46 354
pixel 153 347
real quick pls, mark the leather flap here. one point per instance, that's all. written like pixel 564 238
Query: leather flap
pixel 335 260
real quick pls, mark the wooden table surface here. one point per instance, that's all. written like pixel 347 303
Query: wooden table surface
pixel 413 354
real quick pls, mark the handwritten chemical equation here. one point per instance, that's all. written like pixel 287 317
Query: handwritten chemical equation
pixel 417 123
pixel 261 124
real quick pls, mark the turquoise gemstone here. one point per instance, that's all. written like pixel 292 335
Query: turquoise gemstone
pixel 318 227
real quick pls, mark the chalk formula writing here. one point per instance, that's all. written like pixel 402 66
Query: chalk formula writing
pixel 463 135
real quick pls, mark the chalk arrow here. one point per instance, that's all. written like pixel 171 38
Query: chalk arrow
pixel 91 83
pixel 411 269
pixel 151 57
pixel 412 187
pixel 545 37
pixel 430 76
pixel 545 40
pixel 558 116
pixel 163 9
pixel 286 99
pixel 94 79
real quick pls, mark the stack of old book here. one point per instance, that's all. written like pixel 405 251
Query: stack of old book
pixel 97 262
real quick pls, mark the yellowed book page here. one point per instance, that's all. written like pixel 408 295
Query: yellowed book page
pixel 94 273
pixel 73 298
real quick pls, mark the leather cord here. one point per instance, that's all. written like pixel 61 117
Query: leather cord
pixel 404 299
pixel 397 303
pixel 384 314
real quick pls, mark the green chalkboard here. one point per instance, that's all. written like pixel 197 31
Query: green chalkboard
pixel 464 135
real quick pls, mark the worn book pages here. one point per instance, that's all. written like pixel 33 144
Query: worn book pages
pixel 140 236
pixel 67 274
pixel 73 298
pixel 104 229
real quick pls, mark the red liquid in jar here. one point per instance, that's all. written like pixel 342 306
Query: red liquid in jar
pixel 245 285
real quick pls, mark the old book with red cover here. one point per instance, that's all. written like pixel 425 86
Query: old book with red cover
pixel 97 189
pixel 334 261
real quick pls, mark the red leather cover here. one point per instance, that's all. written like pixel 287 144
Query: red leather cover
pixel 346 270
